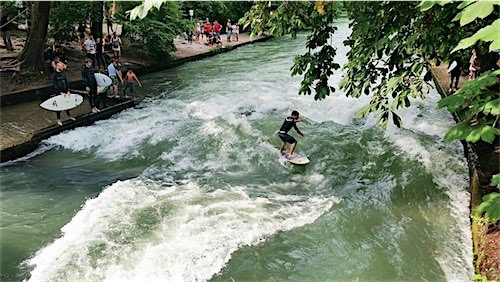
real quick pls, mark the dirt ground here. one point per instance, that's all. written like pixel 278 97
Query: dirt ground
pixel 131 57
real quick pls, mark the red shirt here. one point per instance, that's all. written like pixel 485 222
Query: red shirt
pixel 217 27
pixel 207 27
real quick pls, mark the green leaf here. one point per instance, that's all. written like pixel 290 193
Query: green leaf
pixel 426 5
pixel 491 206
pixel 493 107
pixel 452 102
pixel 487 33
pixel 488 133
pixel 495 181
pixel 474 135
pixel 480 9
pixel 458 132
pixel 396 120
pixel 465 4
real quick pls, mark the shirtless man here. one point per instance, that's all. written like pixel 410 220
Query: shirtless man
pixel 130 79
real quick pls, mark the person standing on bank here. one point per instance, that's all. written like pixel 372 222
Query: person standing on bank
pixel 116 43
pixel 90 84
pixel 290 121
pixel 455 74
pixel 61 87
pixel 5 26
pixel 90 47
pixel 114 75
pixel 130 79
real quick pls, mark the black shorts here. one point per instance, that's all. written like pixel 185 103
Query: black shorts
pixel 287 138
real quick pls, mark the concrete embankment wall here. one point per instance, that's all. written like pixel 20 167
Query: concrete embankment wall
pixel 481 162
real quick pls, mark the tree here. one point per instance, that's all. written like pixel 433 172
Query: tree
pixel 31 59
pixel 155 33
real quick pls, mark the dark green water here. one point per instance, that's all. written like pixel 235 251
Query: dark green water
pixel 189 186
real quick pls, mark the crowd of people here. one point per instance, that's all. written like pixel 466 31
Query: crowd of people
pixel 212 32
pixel 96 93
pixel 96 61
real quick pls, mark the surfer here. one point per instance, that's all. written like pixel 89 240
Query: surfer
pixel 289 122
pixel 61 86
pixel 90 84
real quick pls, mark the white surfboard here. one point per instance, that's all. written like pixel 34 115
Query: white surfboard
pixel 62 102
pixel 298 159
pixel 102 79
pixel 452 66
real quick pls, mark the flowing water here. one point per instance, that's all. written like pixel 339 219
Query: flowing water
pixel 189 186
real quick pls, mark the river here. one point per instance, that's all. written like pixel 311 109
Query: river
pixel 189 186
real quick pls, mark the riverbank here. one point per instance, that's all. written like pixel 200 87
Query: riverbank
pixel 23 124
pixel 483 164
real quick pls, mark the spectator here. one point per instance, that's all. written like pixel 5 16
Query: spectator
pixel 80 31
pixel 217 27
pixel 229 29
pixel 109 22
pixel 100 54
pixel 59 52
pixel 48 53
pixel 207 28
pixel 190 36
pixel 473 66
pixel 114 74
pixel 106 42
pixel 90 47
pixel 61 87
pixel 55 62
pixel 90 84
pixel 197 30
pixel 116 43
pixel 5 27
pixel 235 31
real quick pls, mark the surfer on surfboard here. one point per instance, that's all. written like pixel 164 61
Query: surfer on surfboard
pixel 290 121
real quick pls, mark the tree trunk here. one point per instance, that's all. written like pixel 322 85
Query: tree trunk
pixel 96 25
pixel 31 58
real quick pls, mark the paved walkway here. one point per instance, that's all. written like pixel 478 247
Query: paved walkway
pixel 443 77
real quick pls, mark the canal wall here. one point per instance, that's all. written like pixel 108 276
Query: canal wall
pixel 483 164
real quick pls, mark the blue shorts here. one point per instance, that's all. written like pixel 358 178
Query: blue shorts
pixel 287 138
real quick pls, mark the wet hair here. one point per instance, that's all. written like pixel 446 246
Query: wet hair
pixel 295 113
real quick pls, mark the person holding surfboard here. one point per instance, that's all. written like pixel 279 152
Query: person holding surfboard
pixel 455 73
pixel 90 84
pixel 289 123
pixel 61 87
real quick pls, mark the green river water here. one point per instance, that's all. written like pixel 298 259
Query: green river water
pixel 189 186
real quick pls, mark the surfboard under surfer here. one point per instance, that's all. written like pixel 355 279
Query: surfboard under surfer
pixel 289 123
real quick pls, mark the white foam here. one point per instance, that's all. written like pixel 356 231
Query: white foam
pixel 141 231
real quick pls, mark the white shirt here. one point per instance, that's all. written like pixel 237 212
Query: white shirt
pixel 90 46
